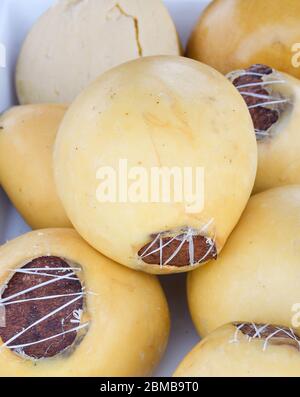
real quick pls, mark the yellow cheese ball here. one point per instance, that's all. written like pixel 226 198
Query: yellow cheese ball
pixel 233 34
pixel 75 41
pixel 27 135
pixel 156 113
pixel 257 276
pixel 125 312
pixel 273 99
pixel 244 350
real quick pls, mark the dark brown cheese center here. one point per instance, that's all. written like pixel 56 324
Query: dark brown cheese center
pixel 276 335
pixel 26 309
pixel 179 251
pixel 263 118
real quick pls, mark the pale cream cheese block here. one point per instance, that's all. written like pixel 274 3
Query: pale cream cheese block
pixel 77 40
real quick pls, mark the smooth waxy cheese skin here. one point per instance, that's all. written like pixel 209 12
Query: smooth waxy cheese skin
pixel 234 34
pixel 27 135
pixel 77 40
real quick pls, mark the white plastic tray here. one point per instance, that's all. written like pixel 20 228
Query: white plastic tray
pixel 16 17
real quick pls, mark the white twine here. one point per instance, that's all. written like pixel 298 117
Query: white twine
pixel 77 316
pixel 159 236
pixel 259 96
pixel 188 236
pixel 43 298
pixel 178 249
pixel 33 273
pixel 40 321
pixel 75 329
pixel 235 336
pixel 270 99
pixel 246 73
pixel 259 334
pixel 290 334
pixel 62 269
pixel 269 103
pixel 2 300
pixel 211 242
pixel 261 84
pixel 160 251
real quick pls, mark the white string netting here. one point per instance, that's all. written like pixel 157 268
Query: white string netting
pixel 184 235
pixel 69 274
pixel 274 100
pixel 258 331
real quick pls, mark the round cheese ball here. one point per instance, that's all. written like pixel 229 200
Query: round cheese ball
pixel 233 34
pixel 244 350
pixel 273 100
pixel 257 276
pixel 66 310
pixel 75 41
pixel 27 135
pixel 151 115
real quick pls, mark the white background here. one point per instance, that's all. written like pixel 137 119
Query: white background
pixel 16 17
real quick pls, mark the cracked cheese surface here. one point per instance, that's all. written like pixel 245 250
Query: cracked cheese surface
pixel 77 40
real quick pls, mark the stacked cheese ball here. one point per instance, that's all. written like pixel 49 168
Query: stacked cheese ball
pixel 127 159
